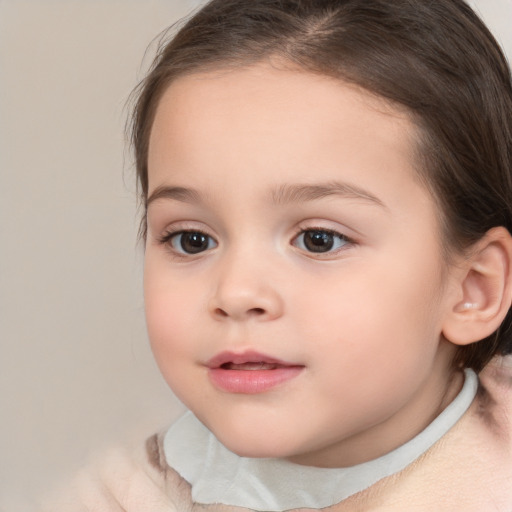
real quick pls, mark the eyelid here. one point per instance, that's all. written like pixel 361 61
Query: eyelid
pixel 168 234
pixel 318 225
pixel 182 226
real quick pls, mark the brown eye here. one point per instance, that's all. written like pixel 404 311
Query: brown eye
pixel 191 242
pixel 319 241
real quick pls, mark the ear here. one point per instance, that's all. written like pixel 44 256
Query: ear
pixel 483 293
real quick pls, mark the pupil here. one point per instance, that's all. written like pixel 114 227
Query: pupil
pixel 194 242
pixel 318 241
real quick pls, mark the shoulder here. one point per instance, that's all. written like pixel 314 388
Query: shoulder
pixel 496 381
pixel 128 479
pixel 123 479
pixel 470 468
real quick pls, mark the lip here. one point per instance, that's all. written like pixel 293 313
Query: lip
pixel 261 373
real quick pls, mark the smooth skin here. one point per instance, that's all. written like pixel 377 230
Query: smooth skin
pixel 286 217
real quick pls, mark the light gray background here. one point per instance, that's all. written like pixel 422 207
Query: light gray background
pixel 76 373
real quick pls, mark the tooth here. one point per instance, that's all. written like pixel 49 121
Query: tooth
pixel 252 366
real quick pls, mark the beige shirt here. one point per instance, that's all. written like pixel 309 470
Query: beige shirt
pixel 469 469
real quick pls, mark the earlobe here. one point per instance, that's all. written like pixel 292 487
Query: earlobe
pixel 484 290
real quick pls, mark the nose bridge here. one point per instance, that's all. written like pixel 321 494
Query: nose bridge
pixel 245 287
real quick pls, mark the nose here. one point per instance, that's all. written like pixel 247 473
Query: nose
pixel 246 290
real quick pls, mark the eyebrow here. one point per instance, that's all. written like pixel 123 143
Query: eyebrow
pixel 285 194
pixel 282 195
pixel 183 194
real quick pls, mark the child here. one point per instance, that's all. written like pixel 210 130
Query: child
pixel 328 204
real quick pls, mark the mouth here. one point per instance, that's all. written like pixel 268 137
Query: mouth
pixel 250 372
pixel 248 360
pixel 250 366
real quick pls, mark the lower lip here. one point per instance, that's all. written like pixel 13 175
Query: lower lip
pixel 252 381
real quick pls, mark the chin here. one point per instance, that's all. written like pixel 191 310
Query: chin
pixel 254 444
pixel 255 432
pixel 251 450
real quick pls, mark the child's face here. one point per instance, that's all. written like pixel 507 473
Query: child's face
pixel 310 246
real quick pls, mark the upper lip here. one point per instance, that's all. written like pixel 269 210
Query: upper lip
pixel 249 356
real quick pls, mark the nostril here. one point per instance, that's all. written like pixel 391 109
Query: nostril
pixel 239 312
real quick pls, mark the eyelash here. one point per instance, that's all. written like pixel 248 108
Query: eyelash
pixel 167 238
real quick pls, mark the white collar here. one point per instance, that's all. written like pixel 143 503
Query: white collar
pixel 220 476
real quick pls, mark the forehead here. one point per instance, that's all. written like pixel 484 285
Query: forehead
pixel 264 124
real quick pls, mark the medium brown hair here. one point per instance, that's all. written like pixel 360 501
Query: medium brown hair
pixel 435 58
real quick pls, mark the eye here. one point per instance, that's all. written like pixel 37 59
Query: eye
pixel 320 241
pixel 190 242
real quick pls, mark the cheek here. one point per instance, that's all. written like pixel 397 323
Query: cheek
pixel 170 334
pixel 169 313
pixel 383 314
pixel 375 329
